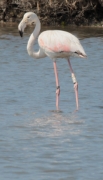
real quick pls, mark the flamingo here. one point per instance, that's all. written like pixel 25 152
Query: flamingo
pixel 54 44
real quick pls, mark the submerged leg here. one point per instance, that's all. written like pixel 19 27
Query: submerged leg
pixel 57 85
pixel 75 84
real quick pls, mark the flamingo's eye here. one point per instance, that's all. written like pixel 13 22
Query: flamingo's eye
pixel 28 17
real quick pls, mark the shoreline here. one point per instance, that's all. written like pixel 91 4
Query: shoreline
pixel 57 25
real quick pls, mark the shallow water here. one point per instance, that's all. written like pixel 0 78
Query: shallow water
pixel 35 142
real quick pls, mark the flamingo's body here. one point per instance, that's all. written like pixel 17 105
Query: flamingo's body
pixel 60 44
pixel 54 44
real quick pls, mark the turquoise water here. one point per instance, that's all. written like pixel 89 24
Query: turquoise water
pixel 35 142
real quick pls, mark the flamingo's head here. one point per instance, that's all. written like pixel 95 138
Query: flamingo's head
pixel 28 19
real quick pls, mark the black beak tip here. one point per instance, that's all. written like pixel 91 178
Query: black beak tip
pixel 21 33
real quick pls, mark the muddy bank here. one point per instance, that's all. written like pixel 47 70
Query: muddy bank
pixel 55 12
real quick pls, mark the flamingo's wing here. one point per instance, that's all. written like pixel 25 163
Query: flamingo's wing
pixel 60 41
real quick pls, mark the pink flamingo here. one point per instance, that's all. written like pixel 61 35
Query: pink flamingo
pixel 54 44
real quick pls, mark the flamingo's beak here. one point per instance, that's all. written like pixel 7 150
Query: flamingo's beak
pixel 21 27
pixel 21 33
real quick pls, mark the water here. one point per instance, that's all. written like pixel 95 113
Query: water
pixel 35 142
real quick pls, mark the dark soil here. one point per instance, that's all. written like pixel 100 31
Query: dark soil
pixel 55 12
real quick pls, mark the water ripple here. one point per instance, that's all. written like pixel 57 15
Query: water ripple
pixel 35 141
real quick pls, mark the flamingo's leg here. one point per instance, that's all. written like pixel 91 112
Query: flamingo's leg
pixel 57 85
pixel 75 84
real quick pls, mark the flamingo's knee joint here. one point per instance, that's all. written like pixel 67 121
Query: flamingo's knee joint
pixel 58 90
pixel 58 87
pixel 73 78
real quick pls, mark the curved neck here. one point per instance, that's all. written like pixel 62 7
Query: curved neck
pixel 32 40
